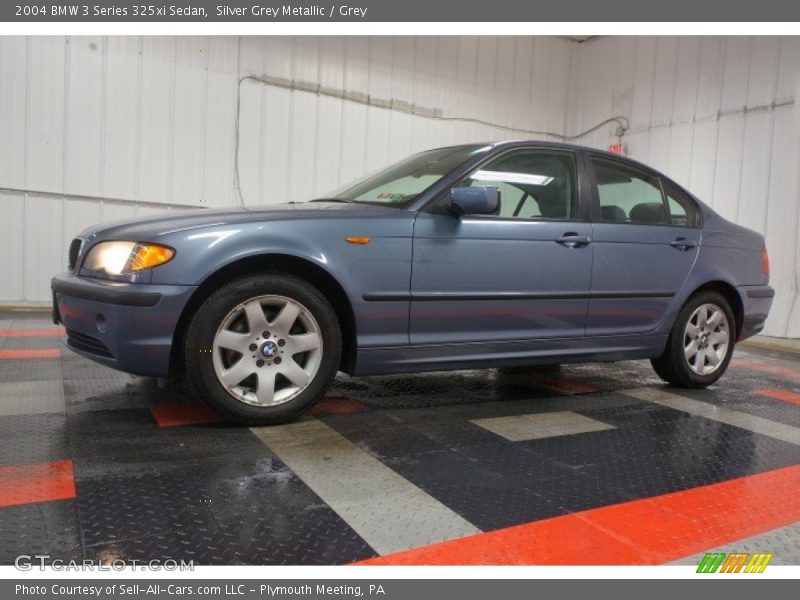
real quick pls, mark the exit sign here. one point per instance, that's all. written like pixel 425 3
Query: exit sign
pixel 617 148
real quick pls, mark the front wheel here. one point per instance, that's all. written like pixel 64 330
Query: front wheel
pixel 263 349
pixel 700 344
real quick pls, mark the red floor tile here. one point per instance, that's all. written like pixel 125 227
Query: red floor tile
pixel 647 531
pixel 777 394
pixel 174 415
pixel 31 333
pixel 568 386
pixel 40 482
pixel 30 354
pixel 334 405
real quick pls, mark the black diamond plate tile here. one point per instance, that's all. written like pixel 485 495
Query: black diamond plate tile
pixel 488 480
pixel 130 441
pixel 427 390
pixel 33 438
pixel 45 369
pixel 274 518
pixel 114 508
pixel 668 451
pixel 226 512
pixel 90 386
pixel 741 395
pixel 201 547
pixel 44 528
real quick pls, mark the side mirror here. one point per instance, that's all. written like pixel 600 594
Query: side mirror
pixel 474 200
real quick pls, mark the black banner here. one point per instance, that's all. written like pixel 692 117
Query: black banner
pixel 390 589
pixel 150 11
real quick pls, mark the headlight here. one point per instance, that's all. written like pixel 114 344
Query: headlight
pixel 122 258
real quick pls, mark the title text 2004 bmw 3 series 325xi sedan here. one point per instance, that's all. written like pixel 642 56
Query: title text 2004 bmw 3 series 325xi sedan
pixel 508 254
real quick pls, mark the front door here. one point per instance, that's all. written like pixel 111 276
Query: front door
pixel 520 274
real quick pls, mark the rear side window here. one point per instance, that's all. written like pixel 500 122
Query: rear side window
pixel 533 184
pixel 628 195
pixel 682 210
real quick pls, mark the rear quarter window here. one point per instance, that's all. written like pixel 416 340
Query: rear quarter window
pixel 683 211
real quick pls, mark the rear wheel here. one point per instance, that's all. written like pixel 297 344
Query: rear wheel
pixel 263 349
pixel 701 343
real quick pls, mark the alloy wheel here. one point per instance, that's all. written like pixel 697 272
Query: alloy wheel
pixel 267 350
pixel 706 339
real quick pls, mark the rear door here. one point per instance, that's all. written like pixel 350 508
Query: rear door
pixel 645 239
pixel 519 275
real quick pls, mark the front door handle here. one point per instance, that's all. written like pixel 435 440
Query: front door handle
pixel 573 240
pixel 682 244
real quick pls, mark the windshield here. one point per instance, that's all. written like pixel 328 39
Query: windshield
pixel 399 184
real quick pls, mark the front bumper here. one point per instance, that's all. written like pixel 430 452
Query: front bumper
pixel 127 326
pixel 756 301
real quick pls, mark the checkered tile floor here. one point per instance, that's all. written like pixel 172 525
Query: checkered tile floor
pixel 587 464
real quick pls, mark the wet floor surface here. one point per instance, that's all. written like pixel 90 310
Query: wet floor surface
pixel 586 464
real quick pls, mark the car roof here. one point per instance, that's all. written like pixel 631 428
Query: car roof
pixel 497 145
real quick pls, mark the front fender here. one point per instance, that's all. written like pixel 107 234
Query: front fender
pixel 382 266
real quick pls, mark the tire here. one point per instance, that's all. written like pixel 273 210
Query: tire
pixel 244 367
pixel 696 358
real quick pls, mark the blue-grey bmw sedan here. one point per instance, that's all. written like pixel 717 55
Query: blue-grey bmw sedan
pixel 473 256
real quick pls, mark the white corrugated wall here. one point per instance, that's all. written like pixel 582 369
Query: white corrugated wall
pixel 101 128
pixel 93 129
pixel 718 114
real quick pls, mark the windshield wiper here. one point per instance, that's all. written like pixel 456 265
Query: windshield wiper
pixel 330 200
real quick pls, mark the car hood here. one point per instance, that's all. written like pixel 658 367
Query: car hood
pixel 151 227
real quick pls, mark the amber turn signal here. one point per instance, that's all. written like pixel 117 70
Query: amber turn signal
pixel 360 241
pixel 146 256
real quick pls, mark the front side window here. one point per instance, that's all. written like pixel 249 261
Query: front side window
pixel 400 184
pixel 628 195
pixel 533 184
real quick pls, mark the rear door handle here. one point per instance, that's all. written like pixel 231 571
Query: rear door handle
pixel 573 240
pixel 682 244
